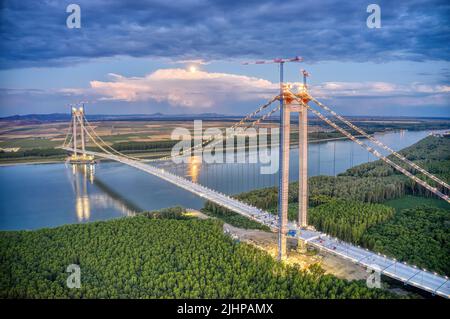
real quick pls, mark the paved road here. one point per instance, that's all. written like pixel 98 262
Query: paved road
pixel 408 274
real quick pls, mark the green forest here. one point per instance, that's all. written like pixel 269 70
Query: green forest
pixel 374 206
pixel 231 217
pixel 144 146
pixel 420 236
pixel 167 254
pixel 156 255
pixel 348 220
pixel 35 152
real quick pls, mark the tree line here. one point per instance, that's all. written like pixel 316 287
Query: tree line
pixel 35 152
pixel 420 236
pixel 348 220
pixel 156 256
pixel 350 207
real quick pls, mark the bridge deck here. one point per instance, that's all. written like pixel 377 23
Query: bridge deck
pixel 407 274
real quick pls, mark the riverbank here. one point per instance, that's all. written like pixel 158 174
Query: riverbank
pixel 149 156
pixel 373 206
pixel 34 207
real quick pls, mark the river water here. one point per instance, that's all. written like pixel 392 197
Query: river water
pixel 48 195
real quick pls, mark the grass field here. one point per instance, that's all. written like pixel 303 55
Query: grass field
pixel 410 201
pixel 29 143
pixel 47 135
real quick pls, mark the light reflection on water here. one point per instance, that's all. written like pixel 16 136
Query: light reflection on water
pixel 47 195
pixel 324 158
pixel 36 196
pixel 194 167
pixel 82 179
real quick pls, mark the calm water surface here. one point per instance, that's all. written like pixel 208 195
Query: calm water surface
pixel 47 195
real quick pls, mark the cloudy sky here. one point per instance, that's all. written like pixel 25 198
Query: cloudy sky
pixel 185 56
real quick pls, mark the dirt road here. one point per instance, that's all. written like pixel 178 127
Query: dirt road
pixel 268 241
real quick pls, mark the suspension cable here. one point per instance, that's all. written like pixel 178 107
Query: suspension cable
pixel 256 112
pixel 96 143
pixel 255 123
pixel 434 190
pixel 67 134
pixel 377 142
pixel 252 124
pixel 202 144
pixel 70 141
pixel 220 136
pixel 108 146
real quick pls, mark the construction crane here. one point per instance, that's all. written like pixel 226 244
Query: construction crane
pixel 277 60
pixel 283 182
pixel 305 74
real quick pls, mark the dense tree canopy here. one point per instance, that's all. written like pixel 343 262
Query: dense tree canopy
pixel 420 236
pixel 343 206
pixel 144 146
pixel 431 153
pixel 149 256
pixel 348 220
pixel 166 254
pixel 231 217
pixel 35 152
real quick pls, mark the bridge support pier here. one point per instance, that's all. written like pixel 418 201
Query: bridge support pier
pixel 303 167
pixel 283 191
pixel 79 156
pixel 302 174
pixel 74 132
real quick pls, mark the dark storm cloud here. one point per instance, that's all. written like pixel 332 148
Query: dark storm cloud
pixel 34 33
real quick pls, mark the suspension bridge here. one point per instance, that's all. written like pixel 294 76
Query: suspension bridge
pixel 289 102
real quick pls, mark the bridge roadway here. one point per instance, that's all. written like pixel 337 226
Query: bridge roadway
pixel 409 275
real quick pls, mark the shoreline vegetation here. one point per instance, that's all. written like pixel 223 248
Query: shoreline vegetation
pixel 162 254
pixel 373 206
pixel 160 148
pixel 148 250
pixel 144 150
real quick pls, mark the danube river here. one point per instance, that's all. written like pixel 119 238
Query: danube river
pixel 47 195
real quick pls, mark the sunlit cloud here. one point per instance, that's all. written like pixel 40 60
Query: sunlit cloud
pixel 198 89
pixel 190 87
pixel 177 90
pixel 375 89
pixel 192 61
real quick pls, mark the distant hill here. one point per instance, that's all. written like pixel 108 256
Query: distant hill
pixel 64 117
